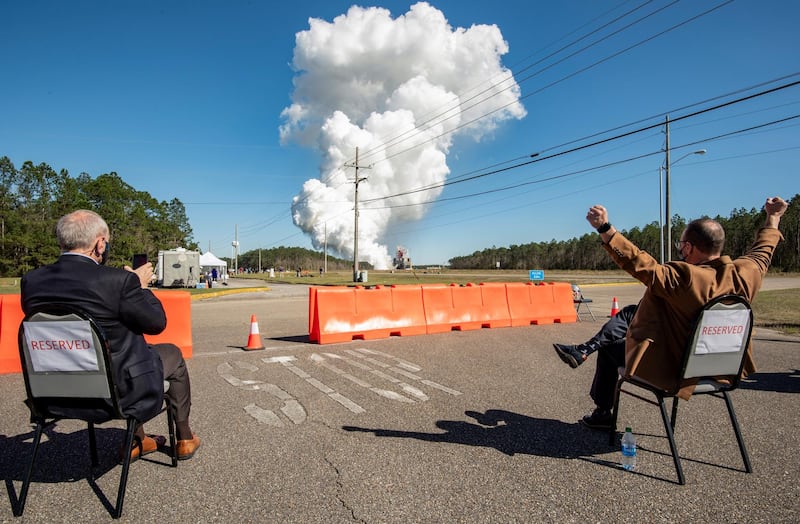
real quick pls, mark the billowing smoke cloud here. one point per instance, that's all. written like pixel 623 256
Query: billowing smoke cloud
pixel 366 80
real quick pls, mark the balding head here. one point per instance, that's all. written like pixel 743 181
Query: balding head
pixel 79 230
pixel 706 235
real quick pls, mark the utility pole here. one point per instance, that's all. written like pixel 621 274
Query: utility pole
pixel 325 265
pixel 667 217
pixel 355 200
pixel 235 245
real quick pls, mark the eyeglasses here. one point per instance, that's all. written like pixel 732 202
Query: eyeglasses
pixel 680 243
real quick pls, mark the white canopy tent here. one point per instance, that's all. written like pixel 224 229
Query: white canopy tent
pixel 209 261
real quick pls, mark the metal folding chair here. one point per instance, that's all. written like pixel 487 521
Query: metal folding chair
pixel 66 364
pixel 579 300
pixel 714 357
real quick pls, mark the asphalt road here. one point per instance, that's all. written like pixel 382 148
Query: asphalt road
pixel 474 426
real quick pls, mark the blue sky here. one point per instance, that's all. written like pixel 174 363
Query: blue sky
pixel 184 99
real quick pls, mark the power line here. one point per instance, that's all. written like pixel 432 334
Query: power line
pixel 566 77
pixel 429 122
pixel 599 167
pixel 418 129
pixel 539 158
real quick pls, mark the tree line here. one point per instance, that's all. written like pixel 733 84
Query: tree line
pixel 290 259
pixel 34 196
pixel 586 252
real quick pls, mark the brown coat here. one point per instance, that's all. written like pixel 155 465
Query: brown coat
pixel 676 292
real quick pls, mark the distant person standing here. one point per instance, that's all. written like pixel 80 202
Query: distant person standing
pixel 214 274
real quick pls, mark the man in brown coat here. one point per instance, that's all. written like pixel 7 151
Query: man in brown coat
pixel 675 294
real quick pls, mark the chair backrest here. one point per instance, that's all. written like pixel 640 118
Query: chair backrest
pixel 65 360
pixel 720 339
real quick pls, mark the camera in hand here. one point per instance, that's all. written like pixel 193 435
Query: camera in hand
pixel 139 260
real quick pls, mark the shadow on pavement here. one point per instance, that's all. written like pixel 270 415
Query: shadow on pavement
pixel 62 457
pixel 788 382
pixel 511 433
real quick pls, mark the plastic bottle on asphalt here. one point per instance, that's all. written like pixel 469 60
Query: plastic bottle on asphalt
pixel 628 450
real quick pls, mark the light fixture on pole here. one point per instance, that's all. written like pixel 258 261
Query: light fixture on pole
pixel 667 217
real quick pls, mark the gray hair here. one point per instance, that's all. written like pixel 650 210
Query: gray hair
pixel 79 230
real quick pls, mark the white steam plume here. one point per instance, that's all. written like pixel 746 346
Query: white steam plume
pixel 365 79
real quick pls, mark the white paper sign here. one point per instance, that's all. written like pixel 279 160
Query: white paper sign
pixel 722 331
pixel 61 346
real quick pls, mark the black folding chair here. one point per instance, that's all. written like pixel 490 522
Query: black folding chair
pixel 66 363
pixel 715 357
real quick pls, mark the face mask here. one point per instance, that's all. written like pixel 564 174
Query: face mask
pixel 681 257
pixel 105 253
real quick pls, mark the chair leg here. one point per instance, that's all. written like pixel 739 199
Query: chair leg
pixel 674 417
pixel 26 482
pixel 745 457
pixel 671 437
pixel 126 464
pixel 172 440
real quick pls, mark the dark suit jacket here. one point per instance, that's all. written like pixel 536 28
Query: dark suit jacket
pixel 125 311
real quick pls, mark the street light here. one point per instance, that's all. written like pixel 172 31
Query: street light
pixel 667 218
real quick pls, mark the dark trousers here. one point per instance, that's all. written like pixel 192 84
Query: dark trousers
pixel 609 358
pixel 609 343
pixel 175 372
pixel 615 329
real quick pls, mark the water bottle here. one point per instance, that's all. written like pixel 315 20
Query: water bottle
pixel 628 450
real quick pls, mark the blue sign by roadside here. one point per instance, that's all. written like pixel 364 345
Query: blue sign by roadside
pixel 537 274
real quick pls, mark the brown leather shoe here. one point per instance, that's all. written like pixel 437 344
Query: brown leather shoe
pixel 148 445
pixel 187 448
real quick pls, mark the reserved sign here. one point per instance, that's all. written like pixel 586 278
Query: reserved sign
pixel 61 346
pixel 722 331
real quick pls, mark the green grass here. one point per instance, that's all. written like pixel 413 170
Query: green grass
pixel 778 309
pixel 387 278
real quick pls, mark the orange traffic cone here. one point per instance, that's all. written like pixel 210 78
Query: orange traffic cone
pixel 614 307
pixel 254 341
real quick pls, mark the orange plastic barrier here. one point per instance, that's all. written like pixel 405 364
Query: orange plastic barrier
pixel 177 306
pixel 545 303
pixel 563 306
pixel 495 305
pixel 341 314
pixel 461 308
pixel 438 302
pixel 10 318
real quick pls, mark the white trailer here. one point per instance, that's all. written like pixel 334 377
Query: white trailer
pixel 178 268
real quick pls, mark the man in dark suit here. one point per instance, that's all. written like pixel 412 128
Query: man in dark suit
pixel 126 310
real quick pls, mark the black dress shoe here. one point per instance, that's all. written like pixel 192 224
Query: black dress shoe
pixel 570 354
pixel 599 419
